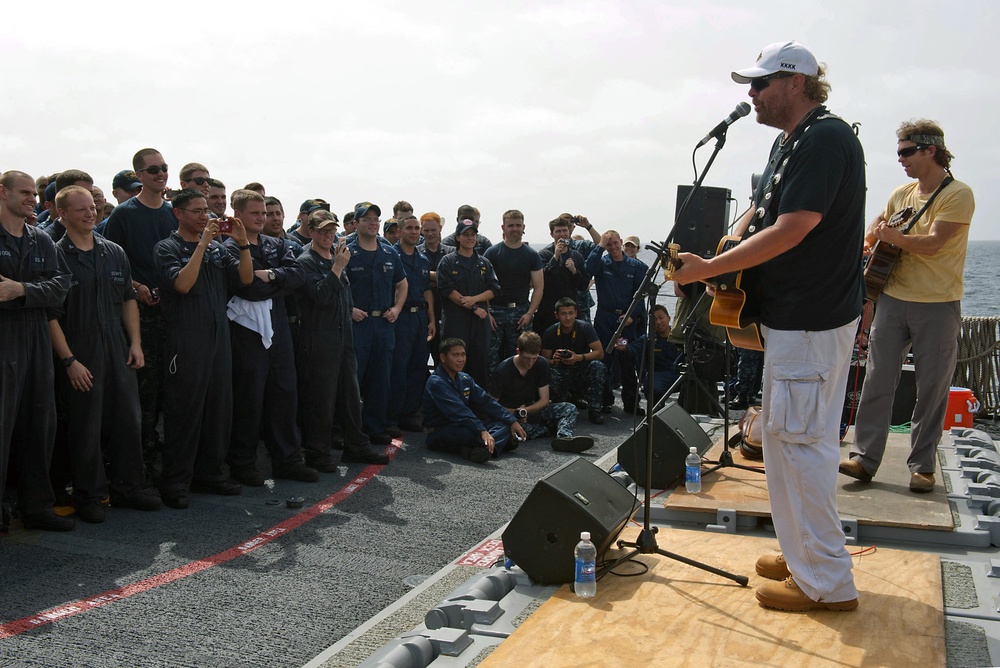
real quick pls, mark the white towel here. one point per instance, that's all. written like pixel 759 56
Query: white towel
pixel 252 315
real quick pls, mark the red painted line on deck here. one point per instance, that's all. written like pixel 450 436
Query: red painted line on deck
pixel 71 609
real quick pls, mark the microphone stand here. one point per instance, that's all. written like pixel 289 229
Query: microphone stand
pixel 645 543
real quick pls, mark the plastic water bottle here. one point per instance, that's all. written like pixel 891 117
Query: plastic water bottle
pixel 585 582
pixel 692 472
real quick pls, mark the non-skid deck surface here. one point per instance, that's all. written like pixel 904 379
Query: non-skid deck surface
pixel 678 615
pixel 886 501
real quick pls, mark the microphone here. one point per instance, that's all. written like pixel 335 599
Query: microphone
pixel 741 110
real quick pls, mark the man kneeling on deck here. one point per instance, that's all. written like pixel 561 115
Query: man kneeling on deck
pixel 452 406
pixel 521 385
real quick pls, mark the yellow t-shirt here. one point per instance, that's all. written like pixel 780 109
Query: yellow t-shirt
pixel 932 278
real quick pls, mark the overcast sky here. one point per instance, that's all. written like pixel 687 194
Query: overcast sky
pixel 587 107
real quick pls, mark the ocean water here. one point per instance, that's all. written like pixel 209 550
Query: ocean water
pixel 982 280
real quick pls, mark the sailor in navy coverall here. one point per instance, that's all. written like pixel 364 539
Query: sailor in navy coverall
pixel 97 381
pixel 617 277
pixel 414 328
pixel 460 416
pixel 325 360
pixel 32 279
pixel 265 395
pixel 196 272
pixel 379 288
pixel 466 284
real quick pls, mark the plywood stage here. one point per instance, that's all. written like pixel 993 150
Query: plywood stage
pixel 886 501
pixel 678 615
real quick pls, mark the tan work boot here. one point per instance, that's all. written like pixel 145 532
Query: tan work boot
pixel 854 469
pixel 922 482
pixel 772 567
pixel 788 597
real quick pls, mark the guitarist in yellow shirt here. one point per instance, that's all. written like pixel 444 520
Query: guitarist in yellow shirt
pixel 919 305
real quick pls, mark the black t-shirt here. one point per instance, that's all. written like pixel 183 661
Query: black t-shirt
pixel 512 389
pixel 579 339
pixel 513 267
pixel 818 284
pixel 137 229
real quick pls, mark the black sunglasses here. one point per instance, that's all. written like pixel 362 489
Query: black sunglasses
pixel 200 180
pixel 760 83
pixel 155 169
pixel 910 150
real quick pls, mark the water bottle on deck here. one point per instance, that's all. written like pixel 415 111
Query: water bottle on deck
pixel 585 582
pixel 692 472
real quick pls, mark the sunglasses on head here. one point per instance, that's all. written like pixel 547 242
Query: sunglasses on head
pixel 910 150
pixel 200 180
pixel 154 169
pixel 760 83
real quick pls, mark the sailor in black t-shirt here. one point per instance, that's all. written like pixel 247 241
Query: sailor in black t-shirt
pixel 563 274
pixel 137 225
pixel 519 272
pixel 574 353
pixel 521 385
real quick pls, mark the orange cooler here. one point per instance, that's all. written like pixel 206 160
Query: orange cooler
pixel 962 407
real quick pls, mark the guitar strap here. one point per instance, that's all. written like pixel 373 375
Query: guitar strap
pixel 765 214
pixel 913 221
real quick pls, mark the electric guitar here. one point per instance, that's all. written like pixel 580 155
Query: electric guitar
pixel 736 305
pixel 882 259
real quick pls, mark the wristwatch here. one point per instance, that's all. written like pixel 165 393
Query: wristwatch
pixel 271 275
pixel 68 362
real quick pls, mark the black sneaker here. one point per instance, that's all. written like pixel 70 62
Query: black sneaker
pixel 607 408
pixel 250 477
pixel 367 455
pixel 478 454
pixel 220 487
pixel 380 438
pixel 48 522
pixel 572 443
pixel 176 500
pixel 91 511
pixel 411 424
pixel 595 416
pixel 322 463
pixel 146 498
pixel 632 408
pixel 298 471
pixel 394 431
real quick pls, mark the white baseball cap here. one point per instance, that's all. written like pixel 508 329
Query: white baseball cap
pixel 779 57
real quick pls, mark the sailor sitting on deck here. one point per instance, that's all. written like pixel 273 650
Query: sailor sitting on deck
pixel 452 406
pixel 521 384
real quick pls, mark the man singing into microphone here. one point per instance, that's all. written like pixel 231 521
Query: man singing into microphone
pixel 803 237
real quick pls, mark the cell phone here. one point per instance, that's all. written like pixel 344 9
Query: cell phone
pixel 154 294
pixel 225 224
pixel 623 341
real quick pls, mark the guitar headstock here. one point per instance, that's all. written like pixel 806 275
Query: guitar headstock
pixel 900 217
pixel 673 262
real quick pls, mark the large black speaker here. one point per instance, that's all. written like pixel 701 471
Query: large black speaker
pixel 577 496
pixel 674 433
pixel 705 222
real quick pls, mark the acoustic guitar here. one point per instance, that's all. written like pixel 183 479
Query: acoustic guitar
pixel 736 304
pixel 882 259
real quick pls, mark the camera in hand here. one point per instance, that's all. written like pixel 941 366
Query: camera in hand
pixel 522 414
pixel 565 354
pixel 225 225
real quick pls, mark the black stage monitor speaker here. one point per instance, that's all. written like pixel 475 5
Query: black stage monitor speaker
pixel 577 496
pixel 674 432
pixel 705 222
